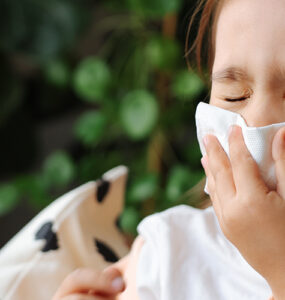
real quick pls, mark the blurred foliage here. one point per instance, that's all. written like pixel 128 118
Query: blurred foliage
pixel 119 66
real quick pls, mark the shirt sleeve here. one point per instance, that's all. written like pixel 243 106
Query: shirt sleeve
pixel 148 272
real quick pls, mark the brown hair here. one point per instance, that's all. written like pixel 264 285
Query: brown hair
pixel 204 41
pixel 205 38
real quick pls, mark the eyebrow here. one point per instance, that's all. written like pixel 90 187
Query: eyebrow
pixel 230 73
pixel 236 74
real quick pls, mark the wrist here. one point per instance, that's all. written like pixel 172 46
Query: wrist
pixel 278 292
pixel 277 297
pixel 277 285
pixel 274 298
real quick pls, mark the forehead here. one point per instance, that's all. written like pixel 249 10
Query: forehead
pixel 250 33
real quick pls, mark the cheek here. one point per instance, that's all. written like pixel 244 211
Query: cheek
pixel 212 100
pixel 215 101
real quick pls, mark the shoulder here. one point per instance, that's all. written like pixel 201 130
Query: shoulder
pixel 161 237
pixel 177 212
pixel 176 219
pixel 170 237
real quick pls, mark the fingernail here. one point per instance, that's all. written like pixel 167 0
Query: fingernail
pixel 118 283
pixel 278 144
pixel 206 140
pixel 203 161
pixel 231 129
pixel 234 129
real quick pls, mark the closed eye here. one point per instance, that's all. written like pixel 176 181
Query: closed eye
pixel 235 99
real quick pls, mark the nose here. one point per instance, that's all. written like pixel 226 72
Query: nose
pixel 264 111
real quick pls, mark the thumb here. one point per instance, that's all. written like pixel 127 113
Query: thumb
pixel 114 277
pixel 278 154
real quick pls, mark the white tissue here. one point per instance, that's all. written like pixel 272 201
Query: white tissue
pixel 217 121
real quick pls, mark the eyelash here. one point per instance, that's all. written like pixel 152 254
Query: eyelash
pixel 235 99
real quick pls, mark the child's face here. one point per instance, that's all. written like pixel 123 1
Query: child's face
pixel 250 40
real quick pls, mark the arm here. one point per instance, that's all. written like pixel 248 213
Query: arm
pixel 278 290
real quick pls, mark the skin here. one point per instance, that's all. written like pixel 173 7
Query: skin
pixel 250 35
pixel 89 284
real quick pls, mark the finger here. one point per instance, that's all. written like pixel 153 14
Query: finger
pixel 211 186
pixel 112 272
pixel 245 170
pixel 113 275
pixel 85 297
pixel 278 153
pixel 220 167
pixel 86 279
pixel 210 178
pixel 79 297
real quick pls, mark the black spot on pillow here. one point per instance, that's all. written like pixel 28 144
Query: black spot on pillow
pixel 102 189
pixel 46 233
pixel 108 254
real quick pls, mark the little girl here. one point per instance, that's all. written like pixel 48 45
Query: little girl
pixel 234 249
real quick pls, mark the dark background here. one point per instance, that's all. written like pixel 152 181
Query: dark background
pixel 89 85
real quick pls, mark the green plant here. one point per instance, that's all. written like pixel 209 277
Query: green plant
pixel 136 97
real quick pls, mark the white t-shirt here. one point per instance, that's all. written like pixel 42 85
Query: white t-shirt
pixel 187 257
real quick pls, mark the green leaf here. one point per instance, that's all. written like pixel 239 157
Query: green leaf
pixel 163 53
pixel 11 93
pixel 57 72
pixel 58 169
pixel 94 164
pixel 39 29
pixel 90 127
pixel 187 85
pixel 143 188
pixel 157 8
pixel 139 114
pixel 179 181
pixel 193 154
pixel 9 198
pixel 129 220
pixel 92 79
pixel 35 188
pixel 114 5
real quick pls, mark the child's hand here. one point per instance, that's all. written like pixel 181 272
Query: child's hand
pixel 88 284
pixel 250 215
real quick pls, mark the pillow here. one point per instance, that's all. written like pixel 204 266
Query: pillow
pixel 79 229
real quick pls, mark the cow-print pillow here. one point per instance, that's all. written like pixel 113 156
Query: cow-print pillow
pixel 79 229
